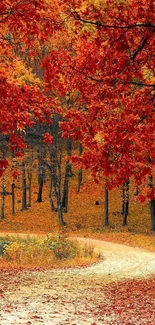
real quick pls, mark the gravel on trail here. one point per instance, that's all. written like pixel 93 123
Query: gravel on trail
pixel 71 296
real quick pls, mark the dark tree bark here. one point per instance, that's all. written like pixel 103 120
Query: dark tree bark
pixel 51 194
pixel 29 174
pixel 24 187
pixel 13 198
pixel 55 167
pixel 125 202
pixel 68 174
pixel 59 183
pixel 29 189
pixel 66 187
pixel 41 173
pixel 152 205
pixel 106 206
pixel 152 212
pixel 40 190
pixel 2 216
pixel 3 148
pixel 80 172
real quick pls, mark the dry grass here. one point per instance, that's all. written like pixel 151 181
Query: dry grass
pixel 45 252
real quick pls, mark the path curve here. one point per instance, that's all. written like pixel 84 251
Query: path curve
pixel 119 261
pixel 73 296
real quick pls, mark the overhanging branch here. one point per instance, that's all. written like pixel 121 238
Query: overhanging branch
pixel 99 24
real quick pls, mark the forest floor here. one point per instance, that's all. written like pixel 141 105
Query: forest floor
pixel 84 218
pixel 120 289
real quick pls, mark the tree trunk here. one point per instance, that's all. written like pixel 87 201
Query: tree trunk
pixel 53 208
pixel 41 174
pixel 30 189
pixel 152 212
pixel 125 202
pixel 13 198
pixel 106 206
pixel 59 180
pixel 2 216
pixel 80 172
pixel 40 190
pixel 68 173
pixel 65 190
pixel 152 205
pixel 24 188
pixel 56 169
pixel 30 180
pixel 53 173
pixel 4 152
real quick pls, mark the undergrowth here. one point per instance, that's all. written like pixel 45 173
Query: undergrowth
pixel 45 252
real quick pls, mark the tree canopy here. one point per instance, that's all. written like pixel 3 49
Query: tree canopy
pixel 91 61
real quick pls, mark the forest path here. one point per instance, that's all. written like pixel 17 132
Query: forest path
pixel 72 296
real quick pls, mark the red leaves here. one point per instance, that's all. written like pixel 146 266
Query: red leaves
pixel 3 165
pixel 130 302
pixel 141 198
pixel 14 173
pixel 36 317
pixel 109 75
pixel 47 138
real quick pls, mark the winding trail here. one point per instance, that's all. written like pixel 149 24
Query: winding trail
pixel 120 261
pixel 72 296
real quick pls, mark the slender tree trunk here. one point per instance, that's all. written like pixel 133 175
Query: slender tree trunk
pixel 152 212
pixel 24 188
pixel 106 206
pixel 30 189
pixel 125 202
pixel 56 170
pixel 41 174
pixel 13 198
pixel 40 190
pixel 30 180
pixel 80 172
pixel 4 152
pixel 68 173
pixel 69 143
pixel 53 173
pixel 59 180
pixel 2 216
pixel 152 205
pixel 123 199
pixel 51 189
pixel 66 187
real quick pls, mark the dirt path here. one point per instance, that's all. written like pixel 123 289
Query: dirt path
pixel 73 297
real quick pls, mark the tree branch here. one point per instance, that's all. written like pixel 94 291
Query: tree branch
pixel 145 116
pixel 140 84
pixel 99 24
pixel 140 48
pixel 86 76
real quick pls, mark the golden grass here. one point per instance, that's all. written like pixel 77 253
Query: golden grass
pixel 45 252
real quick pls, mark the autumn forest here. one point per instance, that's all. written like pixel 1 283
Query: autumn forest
pixel 77 140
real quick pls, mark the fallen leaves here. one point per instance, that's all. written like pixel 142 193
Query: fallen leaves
pixel 44 297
